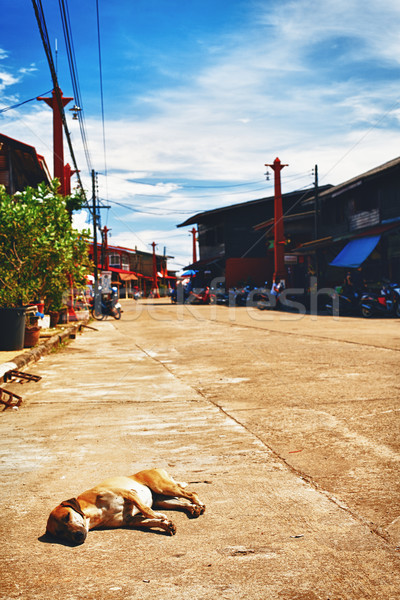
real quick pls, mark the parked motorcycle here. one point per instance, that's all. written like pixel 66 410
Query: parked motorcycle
pixel 218 295
pixel 387 303
pixel 179 295
pixel 339 304
pixel 266 300
pixel 201 297
pixel 105 305
pixel 238 296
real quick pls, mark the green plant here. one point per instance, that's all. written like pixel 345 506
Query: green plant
pixel 40 253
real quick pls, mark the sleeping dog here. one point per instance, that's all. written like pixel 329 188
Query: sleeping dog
pixel 123 502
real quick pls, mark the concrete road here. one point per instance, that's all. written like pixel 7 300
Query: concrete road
pixel 286 427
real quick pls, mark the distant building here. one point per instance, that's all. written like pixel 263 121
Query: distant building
pixel 132 269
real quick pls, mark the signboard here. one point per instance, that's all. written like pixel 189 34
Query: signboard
pixel 105 282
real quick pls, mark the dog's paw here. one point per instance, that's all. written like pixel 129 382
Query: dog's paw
pixel 170 528
pixel 194 511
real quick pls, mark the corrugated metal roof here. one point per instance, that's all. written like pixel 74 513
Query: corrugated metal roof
pixel 209 213
pixel 354 181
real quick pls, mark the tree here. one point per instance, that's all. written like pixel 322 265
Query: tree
pixel 40 252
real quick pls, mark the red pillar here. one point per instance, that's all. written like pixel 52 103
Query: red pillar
pixel 68 172
pixel 154 289
pixel 193 231
pixel 58 148
pixel 279 237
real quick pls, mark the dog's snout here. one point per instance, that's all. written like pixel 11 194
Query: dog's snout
pixel 79 537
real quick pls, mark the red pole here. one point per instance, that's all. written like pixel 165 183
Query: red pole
pixel 156 293
pixel 279 236
pixel 68 172
pixel 58 148
pixel 193 231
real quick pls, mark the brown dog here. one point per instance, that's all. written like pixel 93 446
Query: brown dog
pixel 123 502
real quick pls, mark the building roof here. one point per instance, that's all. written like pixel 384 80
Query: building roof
pixel 355 181
pixel 210 213
pixel 28 167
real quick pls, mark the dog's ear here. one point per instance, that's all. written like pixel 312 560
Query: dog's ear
pixel 74 504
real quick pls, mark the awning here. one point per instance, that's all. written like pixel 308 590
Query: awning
pixel 128 277
pixel 355 252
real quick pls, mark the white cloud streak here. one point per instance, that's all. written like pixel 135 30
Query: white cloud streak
pixel 308 81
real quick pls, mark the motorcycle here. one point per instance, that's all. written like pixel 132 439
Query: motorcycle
pixel 339 304
pixel 218 295
pixel 267 300
pixel 105 305
pixel 238 296
pixel 387 303
pixel 179 295
pixel 202 297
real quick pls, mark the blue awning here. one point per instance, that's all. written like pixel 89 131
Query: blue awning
pixel 355 252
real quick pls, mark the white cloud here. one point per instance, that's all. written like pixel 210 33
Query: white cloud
pixel 6 80
pixel 304 80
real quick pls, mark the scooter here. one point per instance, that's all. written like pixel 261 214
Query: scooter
pixel 203 297
pixel 387 303
pixel 339 304
pixel 179 295
pixel 105 306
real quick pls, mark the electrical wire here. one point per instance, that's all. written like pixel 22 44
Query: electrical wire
pixel 66 23
pixel 148 212
pixel 3 110
pixel 41 21
pixel 101 90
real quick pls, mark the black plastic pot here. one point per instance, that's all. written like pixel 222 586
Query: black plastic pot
pixel 12 328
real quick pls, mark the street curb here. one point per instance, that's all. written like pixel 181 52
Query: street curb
pixel 35 353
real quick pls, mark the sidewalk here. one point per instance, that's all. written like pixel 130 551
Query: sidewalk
pixel 17 359
pixel 108 407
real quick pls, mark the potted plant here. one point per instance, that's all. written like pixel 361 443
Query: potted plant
pixel 39 252
pixel 32 329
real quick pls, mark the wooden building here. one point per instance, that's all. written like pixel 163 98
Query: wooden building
pixel 358 227
pixel 20 166
pixel 235 241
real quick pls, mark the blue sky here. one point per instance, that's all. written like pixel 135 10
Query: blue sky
pixel 200 94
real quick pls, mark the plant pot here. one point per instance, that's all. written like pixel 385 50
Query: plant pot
pixel 32 335
pixel 63 315
pixel 54 317
pixel 12 328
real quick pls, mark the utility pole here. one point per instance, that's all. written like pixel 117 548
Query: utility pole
pixel 316 217
pixel 94 210
pixel 279 238
pixel 156 293
pixel 58 147
pixel 193 231
pixel 104 255
pixel 316 203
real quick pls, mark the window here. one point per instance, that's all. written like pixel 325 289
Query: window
pixel 125 262
pixel 114 260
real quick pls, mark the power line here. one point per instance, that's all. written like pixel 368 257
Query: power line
pixel 66 23
pixel 148 212
pixel 101 89
pixel 3 110
pixel 41 21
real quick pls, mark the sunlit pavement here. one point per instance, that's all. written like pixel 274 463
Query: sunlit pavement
pixel 286 429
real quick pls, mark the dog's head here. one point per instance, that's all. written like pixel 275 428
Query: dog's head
pixel 67 523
